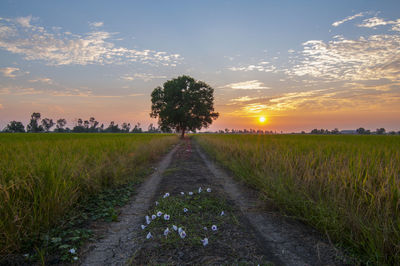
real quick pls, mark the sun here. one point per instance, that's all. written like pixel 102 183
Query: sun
pixel 261 119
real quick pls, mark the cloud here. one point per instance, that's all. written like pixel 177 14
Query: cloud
pixel 243 99
pixel 42 80
pixel 365 58
pixel 96 24
pixel 19 36
pixel 261 67
pixel 19 91
pixel 247 85
pixel 142 76
pixel 375 21
pixel 337 23
pixel 9 71
pixel 290 51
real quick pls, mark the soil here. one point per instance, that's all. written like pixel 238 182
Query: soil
pixel 248 233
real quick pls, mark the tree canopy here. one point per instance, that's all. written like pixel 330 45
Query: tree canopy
pixel 183 104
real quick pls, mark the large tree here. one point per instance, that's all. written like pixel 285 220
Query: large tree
pixel 183 104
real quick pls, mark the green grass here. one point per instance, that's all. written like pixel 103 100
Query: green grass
pixel 346 186
pixel 43 176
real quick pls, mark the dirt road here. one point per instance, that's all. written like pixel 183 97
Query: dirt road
pixel 247 232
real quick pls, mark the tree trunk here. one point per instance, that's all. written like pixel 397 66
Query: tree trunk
pixel 183 133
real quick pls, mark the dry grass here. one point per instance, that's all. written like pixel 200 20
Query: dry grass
pixel 43 175
pixel 346 186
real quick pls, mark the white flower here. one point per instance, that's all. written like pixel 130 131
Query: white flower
pixel 175 227
pixel 157 203
pixel 159 214
pixel 180 230
pixel 182 234
pixel 190 193
pixel 200 190
pixel 204 241
pixel 185 210
pixel 26 255
pixel 166 195
pixel 149 236
pixel 75 258
pixel 166 231
pixel 148 221
pixel 205 228
pixel 72 251
pixel 222 213
pixel 214 227
pixel 208 189
pixel 166 217
pixel 143 227
pixel 153 217
pixel 182 193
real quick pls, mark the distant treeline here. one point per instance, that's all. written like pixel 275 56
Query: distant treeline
pixel 360 131
pixel 37 125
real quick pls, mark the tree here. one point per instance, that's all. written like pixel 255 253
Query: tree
pixel 184 104
pixel 137 129
pixel 360 131
pixel 380 131
pixel 93 124
pixel 78 128
pixel 113 128
pixel 60 125
pixel 125 127
pixel 14 127
pixel 33 125
pixel 47 123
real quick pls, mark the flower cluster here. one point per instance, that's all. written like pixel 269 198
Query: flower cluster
pixel 174 228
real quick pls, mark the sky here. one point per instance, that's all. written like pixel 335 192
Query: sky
pixel 300 64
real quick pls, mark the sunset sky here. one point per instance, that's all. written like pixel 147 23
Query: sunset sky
pixel 300 64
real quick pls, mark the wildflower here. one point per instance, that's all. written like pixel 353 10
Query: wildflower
pixel 166 231
pixel 214 227
pixel 222 213
pixel 72 251
pixel 26 255
pixel 166 217
pixel 185 210
pixel 159 214
pixel 175 227
pixel 205 228
pixel 182 234
pixel 149 236
pixel 166 195
pixel 153 217
pixel 143 227
pixel 200 190
pixel 148 221
pixel 180 230
pixel 190 193
pixel 182 193
pixel 75 258
pixel 208 189
pixel 204 241
pixel 157 203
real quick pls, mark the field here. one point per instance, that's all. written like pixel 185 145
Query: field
pixel 43 176
pixel 348 187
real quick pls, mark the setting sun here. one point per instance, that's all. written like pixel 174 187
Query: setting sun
pixel 261 119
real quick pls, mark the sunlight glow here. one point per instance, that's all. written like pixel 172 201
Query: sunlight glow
pixel 261 119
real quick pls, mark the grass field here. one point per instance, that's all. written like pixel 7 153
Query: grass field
pixel 346 186
pixel 42 176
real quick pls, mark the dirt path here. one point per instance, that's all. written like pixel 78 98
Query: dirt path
pixel 247 233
